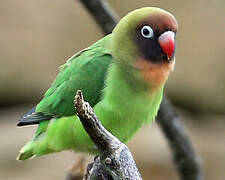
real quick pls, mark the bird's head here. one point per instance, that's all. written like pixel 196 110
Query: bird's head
pixel 145 40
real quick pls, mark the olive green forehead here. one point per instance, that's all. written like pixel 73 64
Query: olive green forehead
pixel 159 19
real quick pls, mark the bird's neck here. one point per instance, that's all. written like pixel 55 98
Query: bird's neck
pixel 127 82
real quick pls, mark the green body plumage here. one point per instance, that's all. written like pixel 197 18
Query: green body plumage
pixel 123 100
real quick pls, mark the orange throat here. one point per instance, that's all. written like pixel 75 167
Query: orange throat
pixel 154 74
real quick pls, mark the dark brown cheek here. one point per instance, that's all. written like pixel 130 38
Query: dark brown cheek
pixel 150 49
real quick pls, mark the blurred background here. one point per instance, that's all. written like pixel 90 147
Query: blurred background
pixel 38 36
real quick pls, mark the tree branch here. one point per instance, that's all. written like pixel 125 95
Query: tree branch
pixel 103 139
pixel 186 160
pixel 115 160
pixel 105 17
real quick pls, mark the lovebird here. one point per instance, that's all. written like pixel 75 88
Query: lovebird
pixel 121 75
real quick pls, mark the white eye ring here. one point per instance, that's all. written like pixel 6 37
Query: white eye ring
pixel 147 32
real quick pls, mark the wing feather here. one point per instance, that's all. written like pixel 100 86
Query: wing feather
pixel 84 71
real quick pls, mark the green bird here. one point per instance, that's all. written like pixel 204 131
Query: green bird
pixel 122 76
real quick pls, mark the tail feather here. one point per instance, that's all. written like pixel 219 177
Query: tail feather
pixel 29 150
pixel 26 152
pixel 51 136
pixel 33 117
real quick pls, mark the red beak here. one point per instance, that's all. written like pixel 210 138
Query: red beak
pixel 167 43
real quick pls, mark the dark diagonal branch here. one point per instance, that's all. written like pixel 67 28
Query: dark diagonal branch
pixel 184 156
pixel 105 17
pixel 115 160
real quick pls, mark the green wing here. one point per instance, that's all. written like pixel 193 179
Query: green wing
pixel 86 71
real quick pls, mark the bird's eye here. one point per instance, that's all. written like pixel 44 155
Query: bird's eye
pixel 147 31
